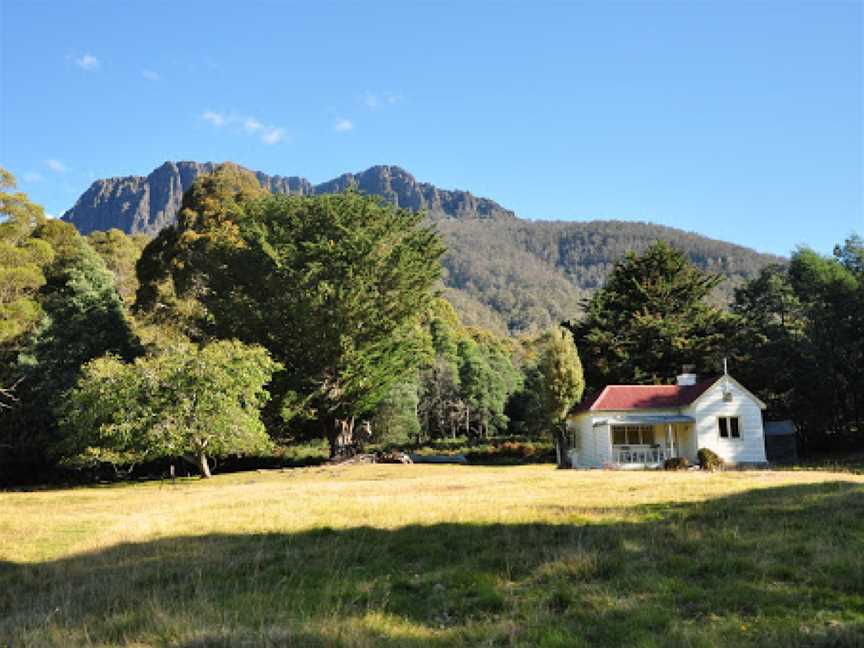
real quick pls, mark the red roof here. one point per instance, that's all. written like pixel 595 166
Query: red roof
pixel 638 397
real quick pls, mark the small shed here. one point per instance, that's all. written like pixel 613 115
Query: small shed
pixel 781 444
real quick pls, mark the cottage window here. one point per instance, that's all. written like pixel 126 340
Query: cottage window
pixel 632 434
pixel 729 428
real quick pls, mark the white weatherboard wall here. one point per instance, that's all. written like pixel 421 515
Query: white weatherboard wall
pixel 584 445
pixel 710 405
pixel 592 444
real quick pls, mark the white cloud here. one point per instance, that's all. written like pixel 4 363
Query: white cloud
pixel 343 125
pixel 252 125
pixel 56 166
pixel 215 118
pixel 375 100
pixel 32 177
pixel 88 62
pixel 267 133
pixel 150 75
pixel 272 135
pixel 371 100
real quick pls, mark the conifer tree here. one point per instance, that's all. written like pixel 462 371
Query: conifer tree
pixel 652 316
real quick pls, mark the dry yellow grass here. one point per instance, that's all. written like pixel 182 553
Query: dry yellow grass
pixel 449 555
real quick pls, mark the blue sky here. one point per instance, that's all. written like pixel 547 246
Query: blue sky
pixel 742 121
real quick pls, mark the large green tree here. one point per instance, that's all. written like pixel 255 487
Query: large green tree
pixel 332 286
pixel 184 401
pixel 652 316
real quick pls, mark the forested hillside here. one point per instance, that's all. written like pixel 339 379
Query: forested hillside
pixel 522 275
pixel 500 272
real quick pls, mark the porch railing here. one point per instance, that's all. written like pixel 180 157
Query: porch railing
pixel 639 455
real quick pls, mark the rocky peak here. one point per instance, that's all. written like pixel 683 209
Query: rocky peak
pixel 147 204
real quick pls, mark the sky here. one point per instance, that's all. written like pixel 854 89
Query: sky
pixel 743 121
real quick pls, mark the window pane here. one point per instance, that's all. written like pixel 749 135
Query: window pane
pixel 618 436
pixel 647 434
pixel 724 430
pixel 733 423
pixel 633 435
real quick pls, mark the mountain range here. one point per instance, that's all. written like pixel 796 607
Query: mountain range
pixel 500 271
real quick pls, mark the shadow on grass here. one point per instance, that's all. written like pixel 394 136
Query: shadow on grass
pixel 780 566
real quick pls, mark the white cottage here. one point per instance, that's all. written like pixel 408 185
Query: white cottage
pixel 633 426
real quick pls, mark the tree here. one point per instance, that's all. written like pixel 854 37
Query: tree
pixel 651 317
pixel 799 343
pixel 187 401
pixel 81 318
pixel 332 286
pixel 768 340
pixel 563 385
pixel 486 379
pixel 526 408
pixel 395 419
pixel 440 408
pixel 23 259
pixel 831 292
pixel 120 254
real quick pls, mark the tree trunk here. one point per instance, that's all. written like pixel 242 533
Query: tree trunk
pixel 203 466
pixel 561 447
pixel 341 437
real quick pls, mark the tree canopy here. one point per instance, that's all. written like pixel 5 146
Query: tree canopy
pixel 652 316
pixel 800 343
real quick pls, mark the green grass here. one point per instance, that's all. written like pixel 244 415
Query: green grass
pixel 381 555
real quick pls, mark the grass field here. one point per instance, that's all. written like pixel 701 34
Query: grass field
pixel 425 555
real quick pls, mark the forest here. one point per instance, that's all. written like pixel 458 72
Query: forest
pixel 260 321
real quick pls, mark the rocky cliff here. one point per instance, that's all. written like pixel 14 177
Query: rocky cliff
pixel 138 204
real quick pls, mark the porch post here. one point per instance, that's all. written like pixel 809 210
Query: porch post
pixel 608 454
pixel 669 443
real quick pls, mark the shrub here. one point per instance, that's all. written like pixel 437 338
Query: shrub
pixel 709 460
pixel 676 463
